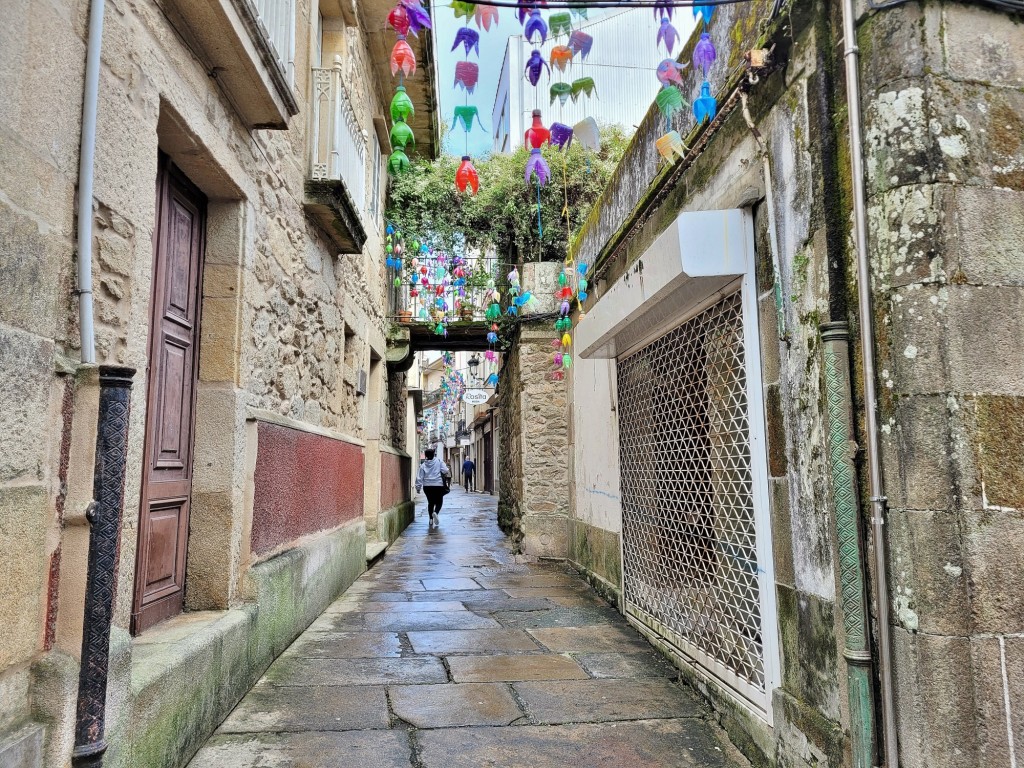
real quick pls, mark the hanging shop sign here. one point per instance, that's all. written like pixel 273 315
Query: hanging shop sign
pixel 475 397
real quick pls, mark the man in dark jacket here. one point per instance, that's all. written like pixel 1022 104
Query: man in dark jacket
pixel 468 470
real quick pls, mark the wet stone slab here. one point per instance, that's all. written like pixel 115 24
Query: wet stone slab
pixel 373 606
pixel 296 671
pixel 447 706
pixel 450 585
pixel 472 641
pixel 608 638
pixel 345 645
pixel 649 664
pixel 580 616
pixel 309 708
pixel 650 744
pixel 594 701
pixel 367 749
pixel 428 620
pixel 514 667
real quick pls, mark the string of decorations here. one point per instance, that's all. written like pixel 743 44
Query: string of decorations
pixel 670 98
pixel 453 387
pixel 467 73
pixel 407 17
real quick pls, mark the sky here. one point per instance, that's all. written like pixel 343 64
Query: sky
pixel 492 54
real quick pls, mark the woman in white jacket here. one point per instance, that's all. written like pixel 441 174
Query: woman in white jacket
pixel 430 479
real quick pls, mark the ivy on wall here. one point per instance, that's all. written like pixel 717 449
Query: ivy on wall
pixel 503 216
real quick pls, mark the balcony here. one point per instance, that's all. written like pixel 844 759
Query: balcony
pixel 249 46
pixel 336 186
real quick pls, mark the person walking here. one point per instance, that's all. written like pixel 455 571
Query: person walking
pixel 431 480
pixel 468 470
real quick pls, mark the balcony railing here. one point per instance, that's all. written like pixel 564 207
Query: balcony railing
pixel 466 301
pixel 339 146
pixel 278 20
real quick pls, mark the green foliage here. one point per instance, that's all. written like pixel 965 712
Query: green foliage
pixel 503 216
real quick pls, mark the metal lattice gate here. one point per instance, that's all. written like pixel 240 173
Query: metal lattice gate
pixel 690 554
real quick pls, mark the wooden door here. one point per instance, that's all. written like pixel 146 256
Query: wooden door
pixel 488 462
pixel 178 243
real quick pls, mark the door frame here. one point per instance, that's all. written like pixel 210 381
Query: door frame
pixel 167 606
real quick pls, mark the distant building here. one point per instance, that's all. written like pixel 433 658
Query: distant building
pixel 622 63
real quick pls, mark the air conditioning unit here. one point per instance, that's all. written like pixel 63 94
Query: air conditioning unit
pixel 361 382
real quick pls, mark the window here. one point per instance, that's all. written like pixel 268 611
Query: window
pixel 318 42
pixel 278 17
pixel 374 202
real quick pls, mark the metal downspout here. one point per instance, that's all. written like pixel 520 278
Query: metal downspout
pixel 104 516
pixel 842 477
pixel 86 157
pixel 880 586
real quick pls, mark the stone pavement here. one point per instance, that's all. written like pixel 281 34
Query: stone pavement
pixel 449 654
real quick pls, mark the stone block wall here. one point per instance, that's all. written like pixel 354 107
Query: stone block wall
pixel 533 456
pixel 944 112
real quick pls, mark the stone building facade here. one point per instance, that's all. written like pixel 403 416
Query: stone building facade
pixel 720 486
pixel 217 187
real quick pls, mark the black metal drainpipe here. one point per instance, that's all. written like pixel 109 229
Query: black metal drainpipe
pixel 104 516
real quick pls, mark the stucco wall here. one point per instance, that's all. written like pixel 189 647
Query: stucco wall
pixel 304 483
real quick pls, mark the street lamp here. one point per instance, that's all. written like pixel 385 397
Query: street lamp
pixel 473 363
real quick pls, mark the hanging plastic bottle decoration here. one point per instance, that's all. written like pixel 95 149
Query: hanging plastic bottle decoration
pixel 669 101
pixel 466 114
pixel 398 162
pixel 537 166
pixel 484 16
pixel 667 34
pixel 581 43
pixel 561 136
pixel 535 27
pixel 469 38
pixel 705 107
pixel 466 75
pixel 561 91
pixel 670 146
pixel 704 53
pixel 401 105
pixel 401 135
pixel 561 57
pixel 398 19
pixel 466 177
pixel 402 58
pixel 560 24
pixel 418 16
pixel 587 133
pixel 536 135
pixel 704 10
pixel 534 65
pixel 669 72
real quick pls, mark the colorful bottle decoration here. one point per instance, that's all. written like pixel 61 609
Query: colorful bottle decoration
pixel 561 57
pixel 398 19
pixel 466 177
pixel 535 27
pixel 536 135
pixel 401 135
pixel 401 105
pixel 667 34
pixel 418 16
pixel 669 100
pixel 403 58
pixel 560 24
pixel 398 162
pixel 466 114
pixel 584 85
pixel 581 43
pixel 704 53
pixel 534 65
pixel 561 136
pixel 670 146
pixel 705 106
pixel 469 38
pixel 484 16
pixel 561 91
pixel 466 74
pixel 668 72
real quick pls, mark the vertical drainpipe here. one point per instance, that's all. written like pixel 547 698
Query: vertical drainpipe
pixel 842 476
pixel 104 516
pixel 876 487
pixel 86 156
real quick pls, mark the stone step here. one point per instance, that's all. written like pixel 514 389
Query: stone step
pixel 374 552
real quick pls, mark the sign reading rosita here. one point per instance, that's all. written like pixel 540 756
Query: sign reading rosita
pixel 475 396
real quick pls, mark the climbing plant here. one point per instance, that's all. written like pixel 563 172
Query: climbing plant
pixel 503 216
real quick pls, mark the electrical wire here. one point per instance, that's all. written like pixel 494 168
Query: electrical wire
pixel 1005 5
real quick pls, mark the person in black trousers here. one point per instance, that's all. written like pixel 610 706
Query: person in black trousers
pixel 431 480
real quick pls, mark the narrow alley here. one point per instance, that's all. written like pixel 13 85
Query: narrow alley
pixel 449 653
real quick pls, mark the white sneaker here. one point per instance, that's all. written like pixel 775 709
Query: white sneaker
pixel 433 519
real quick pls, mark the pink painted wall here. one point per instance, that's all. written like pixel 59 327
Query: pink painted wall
pixel 304 483
pixel 395 479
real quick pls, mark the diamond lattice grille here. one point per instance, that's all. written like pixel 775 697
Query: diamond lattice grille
pixel 689 546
